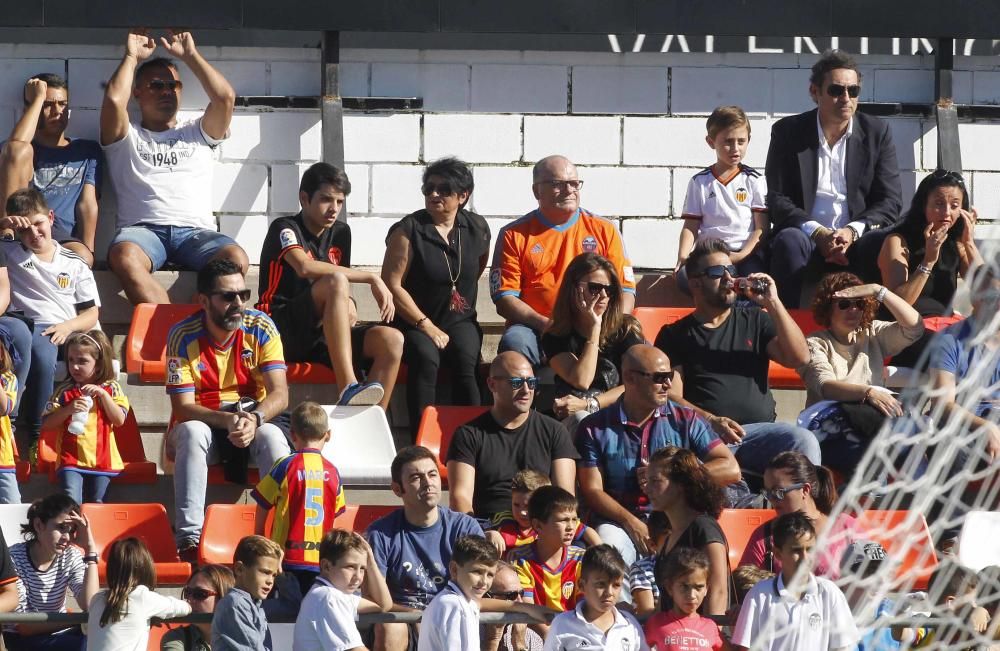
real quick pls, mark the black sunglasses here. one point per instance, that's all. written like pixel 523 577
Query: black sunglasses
pixel 659 377
pixel 163 84
pixel 230 297
pixel 513 595
pixel 948 174
pixel 596 288
pixel 847 303
pixel 443 189
pixel 197 594
pixel 836 90
pixel 717 271
pixel 517 382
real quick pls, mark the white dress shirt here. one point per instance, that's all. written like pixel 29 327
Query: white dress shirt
pixel 830 208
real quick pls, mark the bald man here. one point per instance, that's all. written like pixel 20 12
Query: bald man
pixel 488 451
pixel 532 253
pixel 616 441
pixel 508 637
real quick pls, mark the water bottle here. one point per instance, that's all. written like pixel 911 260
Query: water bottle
pixel 79 420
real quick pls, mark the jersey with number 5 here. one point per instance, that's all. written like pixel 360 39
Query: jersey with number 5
pixel 305 492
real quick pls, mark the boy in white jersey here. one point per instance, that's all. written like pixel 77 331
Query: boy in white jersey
pixel 726 200
pixel 51 286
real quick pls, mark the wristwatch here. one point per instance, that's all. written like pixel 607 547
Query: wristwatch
pixel 259 415
pixel 90 558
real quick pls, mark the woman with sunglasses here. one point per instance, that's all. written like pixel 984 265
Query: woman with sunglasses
pixel 433 261
pixel 793 483
pixel 203 590
pixel 846 399
pixel 587 337
pixel 923 257
pixel 50 565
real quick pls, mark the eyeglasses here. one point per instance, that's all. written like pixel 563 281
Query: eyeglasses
pixel 443 189
pixel 778 494
pixel 230 297
pixel 197 594
pixel 596 288
pixel 160 85
pixel 717 271
pixel 513 595
pixel 659 377
pixel 847 303
pixel 517 382
pixel 836 90
pixel 574 184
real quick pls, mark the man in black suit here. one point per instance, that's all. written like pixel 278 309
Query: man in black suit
pixel 832 180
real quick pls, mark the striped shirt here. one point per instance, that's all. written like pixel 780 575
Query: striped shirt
pixel 45 592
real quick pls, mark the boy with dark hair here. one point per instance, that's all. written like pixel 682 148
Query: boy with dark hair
pixel 596 623
pixel 305 492
pixel 305 285
pixel 549 567
pixel 326 620
pixel 239 623
pixel 795 610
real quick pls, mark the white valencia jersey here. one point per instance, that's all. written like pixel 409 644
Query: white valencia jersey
pixel 48 292
pixel 725 206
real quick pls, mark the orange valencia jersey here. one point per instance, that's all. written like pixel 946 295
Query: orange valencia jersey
pixel 94 451
pixel 531 255
pixel 556 587
pixel 9 385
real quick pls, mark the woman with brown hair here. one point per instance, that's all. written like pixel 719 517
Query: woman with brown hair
pixel 678 484
pixel 587 337
pixel 846 398
pixel 203 590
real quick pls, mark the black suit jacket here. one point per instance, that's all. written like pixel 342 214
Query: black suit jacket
pixel 873 190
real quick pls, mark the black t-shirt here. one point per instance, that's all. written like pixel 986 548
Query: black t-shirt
pixel 498 454
pixel 609 358
pixel 8 573
pixel 725 368
pixel 429 277
pixel 703 530
pixel 278 281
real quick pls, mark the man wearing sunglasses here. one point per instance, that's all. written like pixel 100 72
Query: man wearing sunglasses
pixel 162 170
pixel 508 637
pixel 832 178
pixel 532 253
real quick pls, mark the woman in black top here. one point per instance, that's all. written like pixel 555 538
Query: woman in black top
pixel 433 261
pixel 587 337
pixel 678 484
pixel 922 258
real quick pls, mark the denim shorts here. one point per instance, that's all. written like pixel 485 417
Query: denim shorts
pixel 187 247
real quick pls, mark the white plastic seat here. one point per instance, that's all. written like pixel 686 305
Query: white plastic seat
pixel 12 516
pixel 977 542
pixel 360 445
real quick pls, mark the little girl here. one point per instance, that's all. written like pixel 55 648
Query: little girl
pixel 684 576
pixel 9 492
pixel 90 459
pixel 119 616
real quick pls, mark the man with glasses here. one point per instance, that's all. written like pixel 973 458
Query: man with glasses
pixel 615 444
pixel 721 354
pixel 162 170
pixel 832 178
pixel 532 253
pixel 486 453
pixel 226 381
pixel 508 637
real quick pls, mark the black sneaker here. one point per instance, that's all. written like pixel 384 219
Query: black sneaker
pixel 188 551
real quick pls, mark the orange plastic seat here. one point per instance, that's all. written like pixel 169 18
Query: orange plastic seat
pixel 654 318
pixel 137 469
pixel 437 425
pixel 357 517
pixel 739 525
pixel 149 523
pixel 891 529
pixel 22 467
pixel 225 525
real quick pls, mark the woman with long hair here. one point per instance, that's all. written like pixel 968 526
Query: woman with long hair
pixel 793 483
pixel 923 257
pixel 678 484
pixel 207 585
pixel 587 337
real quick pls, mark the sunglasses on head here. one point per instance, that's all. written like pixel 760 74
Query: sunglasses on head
pixel 513 595
pixel 197 594
pixel 847 303
pixel 659 377
pixel 596 288
pixel 230 297
pixel 164 84
pixel 717 271
pixel 443 189
pixel 517 382
pixel 836 90
pixel 948 174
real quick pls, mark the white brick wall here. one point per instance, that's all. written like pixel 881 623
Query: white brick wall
pixel 473 138
pixel 626 192
pixel 595 140
pixel 619 89
pixel 519 88
pixel 503 191
pixel 443 86
pixel 699 90
pixel 652 243
pixel 396 189
pixel 381 137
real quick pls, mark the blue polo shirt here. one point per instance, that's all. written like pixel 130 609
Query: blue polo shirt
pixel 954 352
pixel 606 440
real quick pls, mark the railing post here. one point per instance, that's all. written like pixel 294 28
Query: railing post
pixel 949 151
pixel 331 105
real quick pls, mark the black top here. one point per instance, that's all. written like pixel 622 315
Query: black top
pixel 498 454
pixel 609 357
pixel 278 281
pixel 942 283
pixel 725 368
pixel 703 530
pixel 428 280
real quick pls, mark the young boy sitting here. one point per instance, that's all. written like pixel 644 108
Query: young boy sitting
pixel 305 492
pixel 51 286
pixel 239 623
pixel 326 620
pixel 549 568
pixel 596 623
pixel 795 610
pixel 642 574
pixel 514 526
pixel 952 590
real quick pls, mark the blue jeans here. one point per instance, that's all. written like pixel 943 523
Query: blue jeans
pixel 9 492
pixel 20 336
pixel 84 486
pixel 613 534
pixel 195 452
pixel 41 375
pixel 522 339
pixel 764 441
pixel 185 246
pixel 70 640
